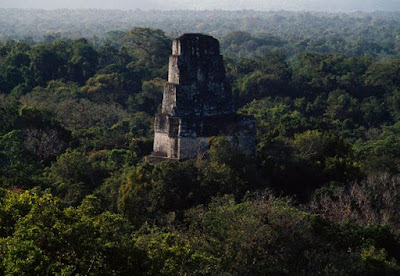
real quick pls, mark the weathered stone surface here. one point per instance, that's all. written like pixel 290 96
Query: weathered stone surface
pixel 198 103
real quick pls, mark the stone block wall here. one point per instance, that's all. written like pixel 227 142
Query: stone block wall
pixel 197 102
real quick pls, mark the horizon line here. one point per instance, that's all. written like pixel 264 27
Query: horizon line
pixel 208 10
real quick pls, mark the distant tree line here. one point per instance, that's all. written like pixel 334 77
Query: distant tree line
pixel 357 33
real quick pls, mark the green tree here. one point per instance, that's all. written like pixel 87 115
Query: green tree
pixel 150 48
pixel 228 170
pixel 133 200
pixel 382 75
pixel 45 64
pixel 74 176
pixel 83 62
pixel 104 88
pixel 150 98
pixel 18 167
pixel 175 187
pixel 47 239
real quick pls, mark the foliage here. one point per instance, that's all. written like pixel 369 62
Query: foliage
pixel 268 236
pixel 76 116
pixel 18 167
pixel 41 237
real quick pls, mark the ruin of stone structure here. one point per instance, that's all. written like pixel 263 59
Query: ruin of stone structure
pixel 198 103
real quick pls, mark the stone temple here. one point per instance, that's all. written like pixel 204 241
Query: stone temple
pixel 198 103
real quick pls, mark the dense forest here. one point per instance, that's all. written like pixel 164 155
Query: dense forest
pixel 320 197
pixel 376 33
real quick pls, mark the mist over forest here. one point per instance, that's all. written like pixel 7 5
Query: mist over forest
pixel 38 25
pixel 293 5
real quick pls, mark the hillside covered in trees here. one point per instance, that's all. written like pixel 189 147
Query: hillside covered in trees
pixel 320 197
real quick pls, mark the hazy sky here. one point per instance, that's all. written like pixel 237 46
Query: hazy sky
pixel 79 4
pixel 333 5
